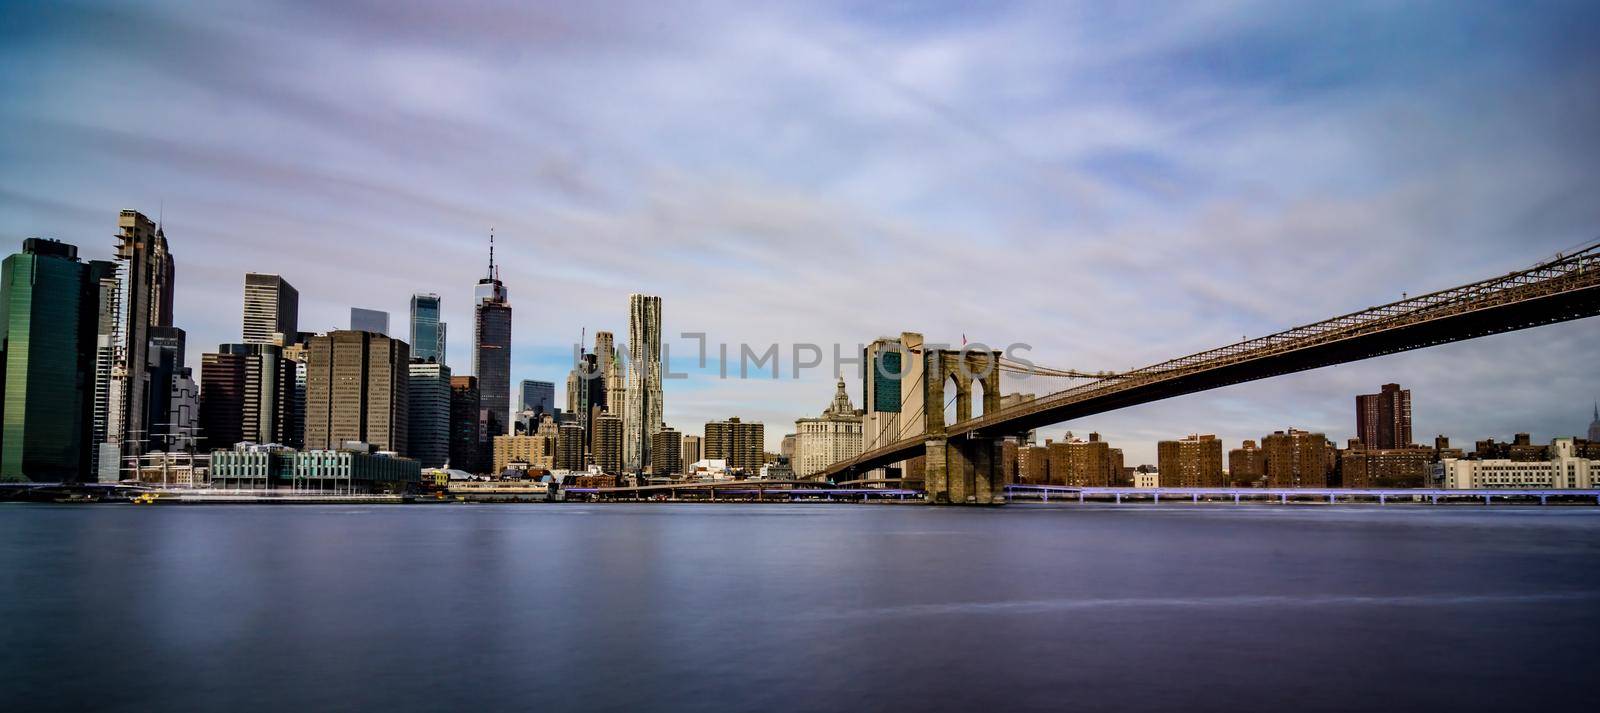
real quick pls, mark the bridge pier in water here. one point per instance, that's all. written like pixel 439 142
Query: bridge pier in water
pixel 967 469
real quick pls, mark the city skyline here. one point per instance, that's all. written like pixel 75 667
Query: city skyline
pixel 1454 183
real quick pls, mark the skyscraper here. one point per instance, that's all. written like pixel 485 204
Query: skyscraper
pixel 429 423
pixel 49 305
pixel 1594 426
pixel 249 395
pixel 466 424
pixel 644 407
pixel 666 453
pixel 427 332
pixel 491 350
pixel 166 353
pixel 144 299
pixel 1383 420
pixel 607 447
pixel 222 398
pixel 740 443
pixel 369 320
pixel 892 396
pixel 271 310
pixel 614 388
pixel 538 397
pixel 357 384
pixel 690 451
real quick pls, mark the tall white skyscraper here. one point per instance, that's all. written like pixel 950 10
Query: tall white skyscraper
pixel 643 417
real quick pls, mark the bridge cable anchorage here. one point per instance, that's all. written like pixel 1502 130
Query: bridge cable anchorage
pixel 1558 290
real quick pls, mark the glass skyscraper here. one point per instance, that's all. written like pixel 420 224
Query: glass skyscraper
pixel 427 332
pixel 538 396
pixel 48 323
pixel 369 320
pixel 491 351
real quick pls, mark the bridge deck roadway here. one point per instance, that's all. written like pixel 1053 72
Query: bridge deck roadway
pixel 1558 291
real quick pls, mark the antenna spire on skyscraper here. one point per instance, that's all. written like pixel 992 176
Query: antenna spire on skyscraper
pixel 491 253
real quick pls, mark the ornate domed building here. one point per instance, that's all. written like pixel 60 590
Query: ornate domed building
pixel 828 439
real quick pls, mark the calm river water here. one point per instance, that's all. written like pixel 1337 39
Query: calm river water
pixel 798 607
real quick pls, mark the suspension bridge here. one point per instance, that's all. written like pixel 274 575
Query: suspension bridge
pixel 962 462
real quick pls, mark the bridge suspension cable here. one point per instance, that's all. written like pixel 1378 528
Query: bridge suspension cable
pixel 1552 291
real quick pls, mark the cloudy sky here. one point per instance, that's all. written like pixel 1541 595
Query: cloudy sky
pixel 1112 184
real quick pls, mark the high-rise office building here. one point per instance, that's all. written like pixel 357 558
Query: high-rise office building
pixel 49 318
pixel 1594 426
pixel 249 395
pixel 166 347
pixel 569 448
pixel 466 424
pixel 1383 420
pixel 538 397
pixel 429 423
pixel 369 320
pixel 607 445
pixel 644 407
pixel 427 332
pixel 740 443
pixel 271 310
pixel 222 399
pixel 357 387
pixel 892 396
pixel 145 281
pixel 1193 462
pixel 614 387
pixel 1296 459
pixel 666 453
pixel 491 349
pixel 586 394
pixel 690 451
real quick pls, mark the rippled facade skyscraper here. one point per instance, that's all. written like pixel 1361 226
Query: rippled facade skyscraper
pixel 644 408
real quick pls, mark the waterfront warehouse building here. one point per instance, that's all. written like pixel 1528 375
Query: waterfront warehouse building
pixel 354 470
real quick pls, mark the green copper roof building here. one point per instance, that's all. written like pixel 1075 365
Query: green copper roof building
pixel 47 337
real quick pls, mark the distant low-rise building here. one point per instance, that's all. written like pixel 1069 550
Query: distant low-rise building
pixel 1362 467
pixel 353 470
pixel 1563 469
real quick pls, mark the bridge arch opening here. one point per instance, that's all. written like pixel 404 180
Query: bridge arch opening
pixel 979 391
pixel 952 396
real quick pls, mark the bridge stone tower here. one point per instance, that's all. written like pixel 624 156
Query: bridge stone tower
pixel 967 469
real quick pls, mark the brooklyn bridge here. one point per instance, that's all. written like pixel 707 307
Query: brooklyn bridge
pixel 962 457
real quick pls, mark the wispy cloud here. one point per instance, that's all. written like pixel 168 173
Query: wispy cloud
pixel 1112 184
